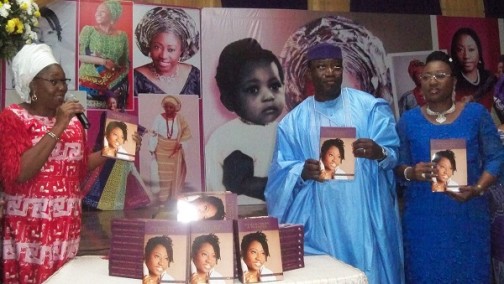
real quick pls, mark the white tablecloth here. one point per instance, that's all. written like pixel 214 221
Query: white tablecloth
pixel 318 269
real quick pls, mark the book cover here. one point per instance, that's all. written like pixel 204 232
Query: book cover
pixel 450 157
pixel 212 252
pixel 153 249
pixel 166 244
pixel 258 249
pixel 337 161
pixel 207 206
pixel 118 140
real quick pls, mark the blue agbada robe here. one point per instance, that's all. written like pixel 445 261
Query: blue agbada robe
pixel 356 221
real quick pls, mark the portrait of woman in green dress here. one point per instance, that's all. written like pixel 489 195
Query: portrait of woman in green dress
pixel 103 56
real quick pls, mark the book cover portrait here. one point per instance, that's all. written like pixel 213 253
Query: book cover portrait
pixel 337 161
pixel 450 157
pixel 166 251
pixel 259 250
pixel 212 252
pixel 118 140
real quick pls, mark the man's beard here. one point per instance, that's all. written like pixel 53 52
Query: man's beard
pixel 330 93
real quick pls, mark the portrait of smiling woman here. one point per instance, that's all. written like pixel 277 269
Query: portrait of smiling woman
pixel 116 134
pixel 332 154
pixel 205 255
pixel 446 165
pixel 158 255
pixel 255 252
pixel 169 37
pixel 474 82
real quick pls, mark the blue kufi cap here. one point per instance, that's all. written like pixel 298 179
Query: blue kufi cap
pixel 324 51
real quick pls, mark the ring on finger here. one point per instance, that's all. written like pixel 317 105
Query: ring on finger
pixel 423 175
pixel 364 151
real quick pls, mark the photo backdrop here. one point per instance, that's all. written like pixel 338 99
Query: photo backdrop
pixel 377 50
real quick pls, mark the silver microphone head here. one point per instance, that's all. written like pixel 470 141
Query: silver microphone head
pixel 70 97
pixel 81 116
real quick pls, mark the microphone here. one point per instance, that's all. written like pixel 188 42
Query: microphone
pixel 81 116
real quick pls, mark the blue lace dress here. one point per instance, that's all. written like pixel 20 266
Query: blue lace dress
pixel 447 241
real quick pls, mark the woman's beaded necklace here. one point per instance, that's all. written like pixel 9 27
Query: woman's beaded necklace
pixel 441 116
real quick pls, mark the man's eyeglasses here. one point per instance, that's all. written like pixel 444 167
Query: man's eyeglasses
pixel 55 82
pixel 438 76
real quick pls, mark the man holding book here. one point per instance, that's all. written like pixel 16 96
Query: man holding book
pixel 357 220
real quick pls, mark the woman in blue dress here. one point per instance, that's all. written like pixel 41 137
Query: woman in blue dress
pixel 447 235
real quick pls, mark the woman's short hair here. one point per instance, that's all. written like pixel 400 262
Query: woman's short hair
pixel 453 50
pixel 338 143
pixel 442 56
pixel 159 240
pixel 448 154
pixel 164 19
pixel 257 236
pixel 117 124
pixel 220 214
pixel 232 60
pixel 212 239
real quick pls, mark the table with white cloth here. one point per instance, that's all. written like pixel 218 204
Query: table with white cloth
pixel 318 269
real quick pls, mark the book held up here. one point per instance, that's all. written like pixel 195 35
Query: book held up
pixel 118 133
pixel 450 158
pixel 337 161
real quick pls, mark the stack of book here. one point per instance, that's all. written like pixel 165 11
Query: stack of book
pixel 137 246
pixel 212 245
pixel 292 246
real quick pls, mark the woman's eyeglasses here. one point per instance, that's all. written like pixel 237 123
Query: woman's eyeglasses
pixel 438 76
pixel 55 82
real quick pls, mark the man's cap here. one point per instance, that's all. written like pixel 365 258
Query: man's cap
pixel 324 51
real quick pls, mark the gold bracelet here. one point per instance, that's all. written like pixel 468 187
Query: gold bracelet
pixel 405 173
pixel 53 136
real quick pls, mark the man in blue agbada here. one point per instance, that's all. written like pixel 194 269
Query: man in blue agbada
pixel 356 221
